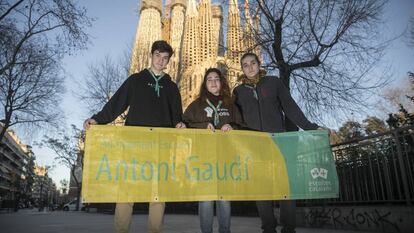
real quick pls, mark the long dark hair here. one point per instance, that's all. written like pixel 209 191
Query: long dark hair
pixel 224 89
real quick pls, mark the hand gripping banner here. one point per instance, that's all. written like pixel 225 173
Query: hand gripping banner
pixel 139 164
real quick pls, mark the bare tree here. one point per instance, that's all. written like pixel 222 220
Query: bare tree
pixel 101 82
pixel 30 92
pixel 322 50
pixel 34 37
pixel 68 146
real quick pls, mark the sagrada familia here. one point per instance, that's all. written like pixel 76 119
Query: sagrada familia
pixel 195 32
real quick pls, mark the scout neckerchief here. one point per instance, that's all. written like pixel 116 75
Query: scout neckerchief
pixel 157 79
pixel 251 84
pixel 253 88
pixel 215 109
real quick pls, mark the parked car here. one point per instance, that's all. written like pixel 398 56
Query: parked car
pixel 72 205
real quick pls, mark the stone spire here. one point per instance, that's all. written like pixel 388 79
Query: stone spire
pixel 256 26
pixel 217 11
pixel 248 25
pixel 191 43
pixel 148 31
pixel 234 6
pixel 234 33
pixel 192 8
pixel 194 28
pixel 166 22
pixel 206 31
pixel 178 8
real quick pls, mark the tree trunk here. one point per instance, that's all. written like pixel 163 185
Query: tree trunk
pixel 78 195
pixel 285 76
pixel 78 187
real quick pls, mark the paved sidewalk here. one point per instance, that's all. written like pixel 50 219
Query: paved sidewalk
pixel 32 221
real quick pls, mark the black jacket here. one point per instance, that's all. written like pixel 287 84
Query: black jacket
pixel 266 113
pixel 145 107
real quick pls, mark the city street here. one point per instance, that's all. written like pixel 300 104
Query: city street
pixel 301 112
pixel 31 221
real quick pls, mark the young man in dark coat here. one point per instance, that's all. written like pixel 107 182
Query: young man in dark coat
pixel 154 101
pixel 264 101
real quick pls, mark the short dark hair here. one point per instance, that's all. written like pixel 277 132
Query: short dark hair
pixel 224 90
pixel 249 54
pixel 162 46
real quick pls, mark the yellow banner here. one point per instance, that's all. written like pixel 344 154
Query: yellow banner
pixel 138 164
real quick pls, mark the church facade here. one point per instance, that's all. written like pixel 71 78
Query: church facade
pixel 196 32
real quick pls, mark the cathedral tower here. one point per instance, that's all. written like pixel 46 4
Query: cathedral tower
pixel 191 43
pixel 217 30
pixel 206 31
pixel 166 22
pixel 234 33
pixel 195 31
pixel 178 8
pixel 248 28
pixel 235 46
pixel 148 31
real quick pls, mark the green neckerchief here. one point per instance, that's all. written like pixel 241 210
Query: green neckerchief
pixel 215 109
pixel 157 79
pixel 252 81
pixel 253 88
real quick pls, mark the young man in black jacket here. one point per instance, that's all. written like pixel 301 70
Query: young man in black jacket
pixel 154 101
pixel 263 102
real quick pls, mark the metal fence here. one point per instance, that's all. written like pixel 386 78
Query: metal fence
pixel 375 169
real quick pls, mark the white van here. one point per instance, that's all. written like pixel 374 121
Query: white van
pixel 72 205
